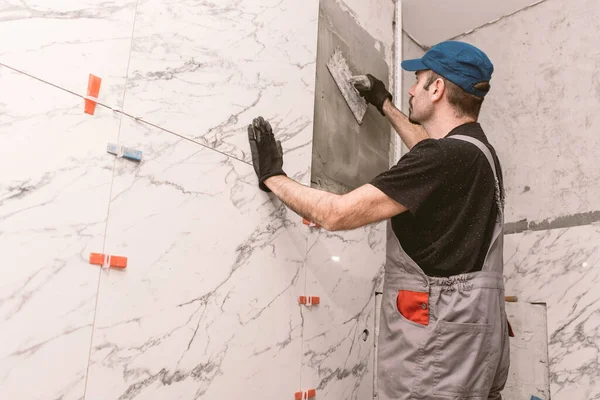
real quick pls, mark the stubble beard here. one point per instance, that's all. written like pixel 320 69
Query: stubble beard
pixel 410 112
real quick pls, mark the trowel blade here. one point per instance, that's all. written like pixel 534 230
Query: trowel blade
pixel 339 70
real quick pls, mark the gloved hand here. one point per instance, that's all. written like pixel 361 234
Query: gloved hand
pixel 376 94
pixel 267 155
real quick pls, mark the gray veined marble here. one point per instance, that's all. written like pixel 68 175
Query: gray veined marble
pixel 62 42
pixel 210 296
pixel 345 269
pixel 54 191
pixel 561 267
pixel 208 305
pixel 542 113
pixel 205 69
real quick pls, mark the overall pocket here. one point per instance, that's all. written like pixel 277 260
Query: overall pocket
pixel 413 306
pixel 461 367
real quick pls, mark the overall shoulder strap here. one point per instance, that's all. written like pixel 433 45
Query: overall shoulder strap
pixel 493 259
pixel 482 147
pixel 488 154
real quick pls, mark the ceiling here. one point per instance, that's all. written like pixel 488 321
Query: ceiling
pixel 433 21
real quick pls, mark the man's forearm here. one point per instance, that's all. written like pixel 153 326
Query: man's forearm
pixel 410 133
pixel 315 205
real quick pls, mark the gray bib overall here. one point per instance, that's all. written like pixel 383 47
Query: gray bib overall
pixel 443 338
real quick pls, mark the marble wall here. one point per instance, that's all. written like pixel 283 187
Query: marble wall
pixel 561 267
pixel 208 305
pixel 542 114
pixel 54 191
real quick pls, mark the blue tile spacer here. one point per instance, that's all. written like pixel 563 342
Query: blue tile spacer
pixel 125 152
pixel 132 154
pixel 112 148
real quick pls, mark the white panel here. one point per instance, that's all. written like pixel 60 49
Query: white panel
pixel 344 269
pixel 64 41
pixel 54 191
pixel 209 296
pixel 542 111
pixel 205 70
pixel 208 306
pixel 528 373
pixel 433 21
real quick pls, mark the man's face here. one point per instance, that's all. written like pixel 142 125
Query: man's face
pixel 420 109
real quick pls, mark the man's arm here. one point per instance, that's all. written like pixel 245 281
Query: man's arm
pixel 377 95
pixel 410 133
pixel 362 206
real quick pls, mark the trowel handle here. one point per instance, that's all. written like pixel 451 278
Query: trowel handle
pixel 360 82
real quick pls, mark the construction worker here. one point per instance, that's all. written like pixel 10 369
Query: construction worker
pixel 443 332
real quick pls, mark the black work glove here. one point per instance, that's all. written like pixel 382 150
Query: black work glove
pixel 267 155
pixel 376 94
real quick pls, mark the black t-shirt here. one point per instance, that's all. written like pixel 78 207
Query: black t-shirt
pixel 448 187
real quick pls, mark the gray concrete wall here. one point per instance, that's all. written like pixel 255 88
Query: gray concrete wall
pixel 345 154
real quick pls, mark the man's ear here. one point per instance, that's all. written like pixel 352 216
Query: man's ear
pixel 438 88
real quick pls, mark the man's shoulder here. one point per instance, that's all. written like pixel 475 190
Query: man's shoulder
pixel 427 152
pixel 456 152
pixel 426 147
pixel 455 147
pixel 467 158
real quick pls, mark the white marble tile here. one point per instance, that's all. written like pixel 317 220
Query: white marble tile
pixel 562 268
pixel 542 111
pixel 438 16
pixel 344 269
pixel 528 373
pixel 62 42
pixel 204 69
pixel 54 192
pixel 207 307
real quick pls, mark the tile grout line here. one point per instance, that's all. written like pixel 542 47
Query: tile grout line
pixel 112 180
pixel 305 265
pixel 179 135
pixel 492 22
pixel 127 114
pixel 304 293
pixel 477 28
pixel 41 80
pixel 415 41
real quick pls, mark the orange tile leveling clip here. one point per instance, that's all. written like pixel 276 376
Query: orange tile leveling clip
pixel 106 261
pixel 92 91
pixel 309 300
pixel 310 224
pixel 305 395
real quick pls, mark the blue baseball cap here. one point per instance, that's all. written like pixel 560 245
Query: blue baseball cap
pixel 459 62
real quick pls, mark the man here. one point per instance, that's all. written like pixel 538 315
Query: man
pixel 443 332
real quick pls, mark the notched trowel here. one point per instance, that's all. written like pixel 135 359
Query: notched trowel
pixel 339 70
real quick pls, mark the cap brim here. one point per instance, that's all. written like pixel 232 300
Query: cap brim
pixel 413 65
